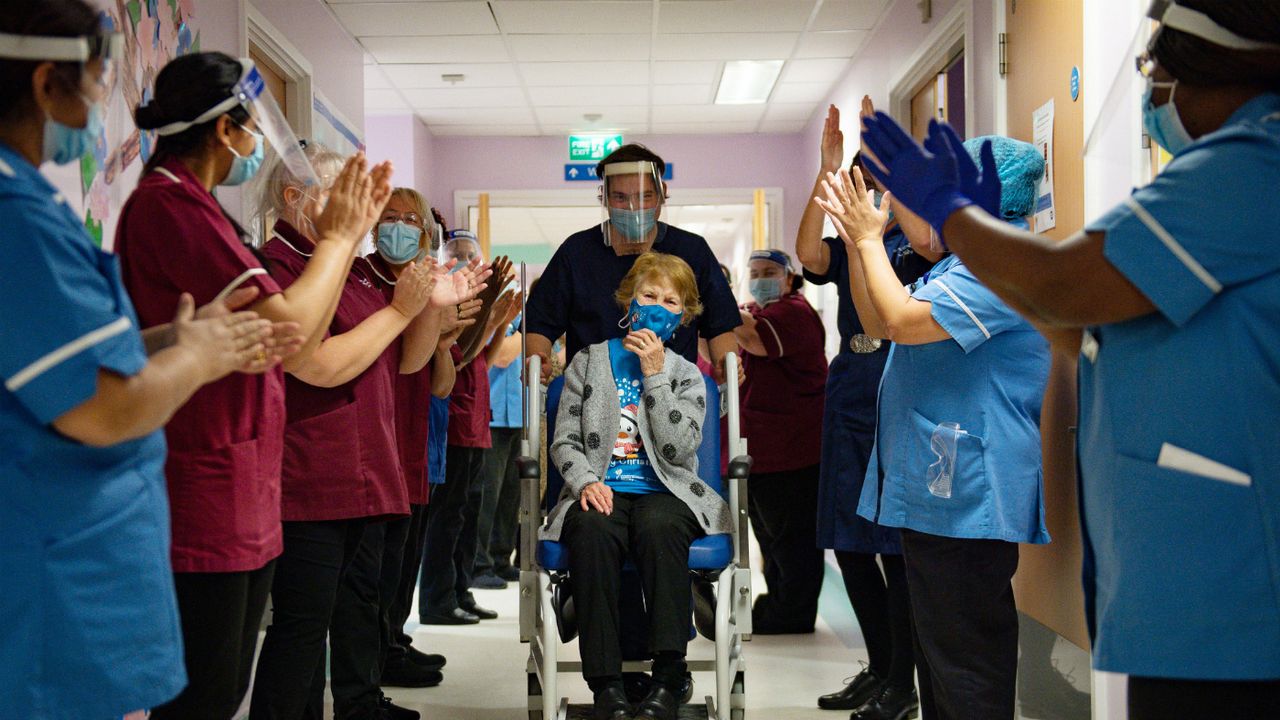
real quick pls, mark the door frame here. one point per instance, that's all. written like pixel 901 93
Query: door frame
pixel 954 32
pixel 270 42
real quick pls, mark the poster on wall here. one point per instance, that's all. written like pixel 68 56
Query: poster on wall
pixel 155 31
pixel 1042 138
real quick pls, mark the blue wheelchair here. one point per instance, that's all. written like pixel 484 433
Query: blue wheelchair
pixel 719 561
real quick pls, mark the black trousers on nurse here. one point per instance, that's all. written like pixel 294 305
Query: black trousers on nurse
pixel 883 607
pixel 451 533
pixel 496 528
pixel 316 556
pixel 966 625
pixel 1167 699
pixel 655 532
pixel 398 640
pixel 783 507
pixel 360 625
pixel 220 614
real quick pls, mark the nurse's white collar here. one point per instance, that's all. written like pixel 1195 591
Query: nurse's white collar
pixel 374 268
pixel 281 238
pixel 6 169
pixel 165 172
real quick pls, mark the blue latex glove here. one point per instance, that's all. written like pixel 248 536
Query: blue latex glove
pixel 980 186
pixel 928 183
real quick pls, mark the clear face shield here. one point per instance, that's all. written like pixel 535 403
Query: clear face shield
pixel 461 246
pixel 251 94
pixel 631 198
pixel 106 48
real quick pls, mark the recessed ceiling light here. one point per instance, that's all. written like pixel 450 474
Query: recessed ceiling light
pixel 747 82
pixel 453 78
pixel 592 117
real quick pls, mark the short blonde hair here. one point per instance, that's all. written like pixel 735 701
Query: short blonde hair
pixel 669 268
pixel 420 206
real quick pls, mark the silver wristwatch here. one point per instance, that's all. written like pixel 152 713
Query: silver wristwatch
pixel 863 344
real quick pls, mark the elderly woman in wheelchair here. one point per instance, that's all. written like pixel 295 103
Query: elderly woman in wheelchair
pixel 626 439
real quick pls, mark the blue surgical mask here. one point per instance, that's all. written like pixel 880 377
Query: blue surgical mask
pixel 633 225
pixel 64 144
pixel 765 290
pixel 1162 123
pixel 660 320
pixel 244 167
pixel 399 242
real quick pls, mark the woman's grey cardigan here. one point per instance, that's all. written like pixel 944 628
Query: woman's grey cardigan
pixel 675 405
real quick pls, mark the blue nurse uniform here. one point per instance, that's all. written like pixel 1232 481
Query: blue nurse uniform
pixel 91 624
pixel 1180 417
pixel 989 378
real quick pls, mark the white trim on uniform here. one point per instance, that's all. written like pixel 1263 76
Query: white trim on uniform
pixel 965 308
pixel 776 337
pixel 84 342
pixel 1174 246
pixel 165 172
pixel 374 268
pixel 231 286
pixel 6 169
pixel 291 247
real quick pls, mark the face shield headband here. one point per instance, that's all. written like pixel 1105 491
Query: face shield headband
pixel 1193 22
pixel 107 47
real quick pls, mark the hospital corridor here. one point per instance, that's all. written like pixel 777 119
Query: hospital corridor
pixel 639 360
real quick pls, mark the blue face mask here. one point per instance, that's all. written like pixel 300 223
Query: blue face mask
pixel 1162 123
pixel 766 289
pixel 633 225
pixel 64 144
pixel 244 167
pixel 660 320
pixel 398 242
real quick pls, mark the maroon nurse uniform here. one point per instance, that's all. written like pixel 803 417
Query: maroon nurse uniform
pixel 340 456
pixel 225 443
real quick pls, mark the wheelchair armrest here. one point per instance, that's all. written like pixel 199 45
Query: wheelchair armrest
pixel 740 467
pixel 739 471
pixel 528 468
pixel 530 474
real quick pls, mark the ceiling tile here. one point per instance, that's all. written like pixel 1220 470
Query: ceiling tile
pixel 725 46
pixel 585 73
pixel 350 2
pixel 609 116
pixel 800 92
pixel 638 127
pixel 789 111
pixel 683 94
pixel 559 16
pixel 417 49
pixel 424 18
pixel 623 95
pixel 709 113
pixel 831 44
pixel 783 126
pixel 508 130
pixel 428 75
pixel 686 72
pixel 848 14
pixel 374 78
pixel 705 128
pixel 375 99
pixel 719 16
pixel 551 48
pixel 465 97
pixel 826 70
pixel 476 116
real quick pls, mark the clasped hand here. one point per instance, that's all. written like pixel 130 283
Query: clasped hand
pixel 646 345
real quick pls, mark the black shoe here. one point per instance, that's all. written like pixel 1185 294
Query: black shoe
pixel 510 573
pixel 407 674
pixel 479 612
pixel 391 711
pixel 611 704
pixel 457 616
pixel 891 703
pixel 430 661
pixel 860 688
pixel 660 704
pixel 488 581
pixel 638 685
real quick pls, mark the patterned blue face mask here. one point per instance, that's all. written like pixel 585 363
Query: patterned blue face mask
pixel 399 242
pixel 660 320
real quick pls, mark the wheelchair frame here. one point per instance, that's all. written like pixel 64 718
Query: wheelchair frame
pixel 537 610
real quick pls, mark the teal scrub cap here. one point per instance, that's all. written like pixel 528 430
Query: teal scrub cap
pixel 1020 166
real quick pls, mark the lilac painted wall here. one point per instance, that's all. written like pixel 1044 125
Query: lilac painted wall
pixel 700 161
pixel 391 137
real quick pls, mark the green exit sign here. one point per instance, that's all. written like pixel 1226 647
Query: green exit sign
pixel 592 147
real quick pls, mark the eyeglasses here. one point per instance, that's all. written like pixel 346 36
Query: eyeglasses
pixel 633 200
pixel 410 218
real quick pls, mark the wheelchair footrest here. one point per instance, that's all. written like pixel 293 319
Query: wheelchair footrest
pixel 688 711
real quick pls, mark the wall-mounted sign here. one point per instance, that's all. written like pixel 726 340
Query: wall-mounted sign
pixel 587 172
pixel 1075 84
pixel 592 147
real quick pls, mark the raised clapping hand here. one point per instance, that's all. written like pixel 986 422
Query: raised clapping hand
pixel 456 319
pixel 284 340
pixel 832 147
pixel 224 343
pixel 852 208
pixel 597 495
pixel 345 215
pixel 414 288
pixel 646 345
pixel 927 182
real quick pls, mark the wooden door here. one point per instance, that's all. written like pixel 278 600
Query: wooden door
pixel 1045 41
pixel 274 78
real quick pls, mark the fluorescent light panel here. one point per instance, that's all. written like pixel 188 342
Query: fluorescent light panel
pixel 747 82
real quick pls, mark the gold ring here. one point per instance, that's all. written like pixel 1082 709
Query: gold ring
pixel 261 356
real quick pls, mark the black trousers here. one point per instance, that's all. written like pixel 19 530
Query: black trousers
pixel 308 573
pixel 398 640
pixel 449 559
pixel 358 631
pixel 966 625
pixel 220 617
pixel 883 607
pixel 783 508
pixel 496 526
pixel 1165 699
pixel 655 532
